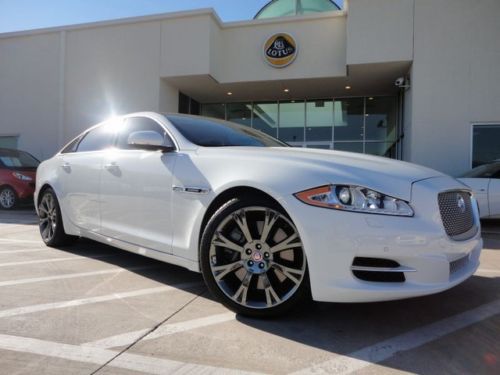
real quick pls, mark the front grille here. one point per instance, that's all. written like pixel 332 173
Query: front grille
pixel 457 214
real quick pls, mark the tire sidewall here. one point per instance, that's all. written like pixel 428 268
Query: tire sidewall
pixel 228 208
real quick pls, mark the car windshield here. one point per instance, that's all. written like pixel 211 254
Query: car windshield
pixel 217 133
pixel 16 159
pixel 483 171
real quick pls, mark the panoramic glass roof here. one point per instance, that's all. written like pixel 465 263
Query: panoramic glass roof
pixel 284 8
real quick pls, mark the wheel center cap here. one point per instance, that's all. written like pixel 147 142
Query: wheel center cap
pixel 257 256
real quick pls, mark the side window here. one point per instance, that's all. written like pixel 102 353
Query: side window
pixel 137 124
pixel 97 139
pixel 71 147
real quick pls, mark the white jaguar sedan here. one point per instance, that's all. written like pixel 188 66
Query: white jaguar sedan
pixel 266 224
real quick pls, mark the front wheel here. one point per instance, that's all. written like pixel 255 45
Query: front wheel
pixel 51 223
pixel 8 198
pixel 252 258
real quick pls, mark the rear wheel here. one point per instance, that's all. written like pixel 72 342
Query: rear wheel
pixel 51 224
pixel 252 258
pixel 8 198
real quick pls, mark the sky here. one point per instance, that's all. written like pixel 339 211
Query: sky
pixel 16 15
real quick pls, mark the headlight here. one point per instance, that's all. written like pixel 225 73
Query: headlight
pixel 356 199
pixel 21 176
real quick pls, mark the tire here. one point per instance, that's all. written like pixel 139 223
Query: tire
pixel 51 223
pixel 252 258
pixel 8 198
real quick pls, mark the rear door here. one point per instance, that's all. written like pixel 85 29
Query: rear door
pixel 79 173
pixel 136 188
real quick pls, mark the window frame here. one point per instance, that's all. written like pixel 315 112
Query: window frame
pixel 471 148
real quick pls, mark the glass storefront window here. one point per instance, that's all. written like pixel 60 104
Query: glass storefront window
pixel 365 125
pixel 348 119
pixel 387 149
pixel 319 120
pixel 349 146
pixel 217 110
pixel 265 117
pixel 240 113
pixel 485 144
pixel 292 121
pixel 381 118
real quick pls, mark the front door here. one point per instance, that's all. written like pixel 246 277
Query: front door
pixel 136 188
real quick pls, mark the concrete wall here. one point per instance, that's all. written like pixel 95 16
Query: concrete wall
pixel 379 31
pixel 456 72
pixel 29 91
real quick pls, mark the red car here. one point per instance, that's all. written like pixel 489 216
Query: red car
pixel 17 177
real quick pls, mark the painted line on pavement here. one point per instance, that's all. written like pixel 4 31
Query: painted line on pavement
pixel 24 251
pixel 72 275
pixel 85 301
pixel 40 261
pixel 21 241
pixel 164 330
pixel 134 362
pixel 486 270
pixel 355 361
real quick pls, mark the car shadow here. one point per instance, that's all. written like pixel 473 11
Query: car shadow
pixel 152 269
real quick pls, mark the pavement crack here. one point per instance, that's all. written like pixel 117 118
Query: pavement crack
pixel 154 328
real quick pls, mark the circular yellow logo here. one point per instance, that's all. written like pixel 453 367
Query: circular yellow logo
pixel 280 50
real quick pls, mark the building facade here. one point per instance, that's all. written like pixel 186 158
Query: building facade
pixel 313 79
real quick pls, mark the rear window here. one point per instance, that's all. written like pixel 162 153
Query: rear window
pixel 217 133
pixel 17 159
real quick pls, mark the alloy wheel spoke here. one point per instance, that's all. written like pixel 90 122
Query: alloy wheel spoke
pixel 45 231
pixel 286 244
pixel 269 291
pixel 241 219
pixel 290 273
pixel 269 221
pixel 243 289
pixel 226 269
pixel 222 241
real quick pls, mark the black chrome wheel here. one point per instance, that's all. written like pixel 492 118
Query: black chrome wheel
pixel 253 258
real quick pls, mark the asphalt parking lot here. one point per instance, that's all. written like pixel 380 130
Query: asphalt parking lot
pixel 93 309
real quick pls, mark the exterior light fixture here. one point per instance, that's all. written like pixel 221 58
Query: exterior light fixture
pixel 370 98
pixel 348 87
pixel 286 90
pixel 229 93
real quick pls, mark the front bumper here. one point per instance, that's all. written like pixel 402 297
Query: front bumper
pixel 332 239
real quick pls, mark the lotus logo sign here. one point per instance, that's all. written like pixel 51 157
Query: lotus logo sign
pixel 280 50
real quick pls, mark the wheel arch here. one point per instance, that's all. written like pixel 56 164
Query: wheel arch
pixel 225 196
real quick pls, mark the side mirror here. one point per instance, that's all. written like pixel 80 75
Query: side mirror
pixel 150 140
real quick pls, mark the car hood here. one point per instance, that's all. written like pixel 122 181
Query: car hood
pixel 310 167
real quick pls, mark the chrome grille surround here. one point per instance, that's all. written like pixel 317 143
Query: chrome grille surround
pixel 457 214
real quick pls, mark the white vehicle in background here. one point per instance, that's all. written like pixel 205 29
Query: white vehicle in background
pixel 485 183
pixel 266 224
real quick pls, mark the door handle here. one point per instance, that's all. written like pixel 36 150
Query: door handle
pixel 111 165
pixel 66 166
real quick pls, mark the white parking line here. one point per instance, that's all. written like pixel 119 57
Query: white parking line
pixel 40 261
pixel 486 270
pixel 72 275
pixel 24 251
pixel 164 330
pixel 346 364
pixel 15 240
pixel 99 356
pixel 89 300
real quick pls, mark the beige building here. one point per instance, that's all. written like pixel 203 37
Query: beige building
pixel 314 77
